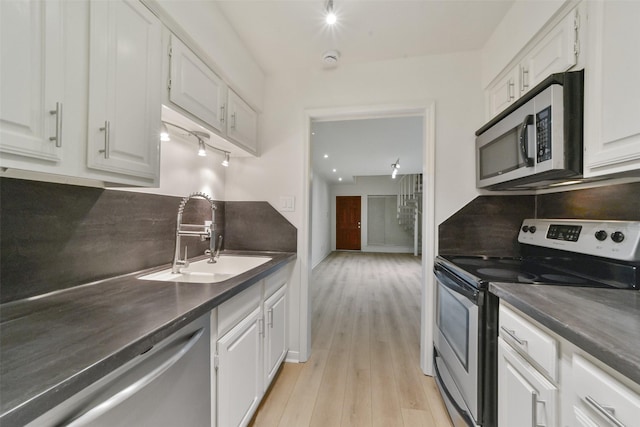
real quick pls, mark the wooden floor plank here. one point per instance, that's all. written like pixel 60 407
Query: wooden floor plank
pixel 364 368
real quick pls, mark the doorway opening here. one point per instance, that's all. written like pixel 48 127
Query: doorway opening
pixel 315 214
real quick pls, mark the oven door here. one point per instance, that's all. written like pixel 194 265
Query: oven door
pixel 456 339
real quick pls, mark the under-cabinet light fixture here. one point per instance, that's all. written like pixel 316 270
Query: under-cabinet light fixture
pixel 394 168
pixel 199 135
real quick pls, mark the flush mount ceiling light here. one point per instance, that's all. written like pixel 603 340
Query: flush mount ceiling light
pixel 200 136
pixel 330 16
pixel 394 168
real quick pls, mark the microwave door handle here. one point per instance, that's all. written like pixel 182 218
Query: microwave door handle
pixel 524 140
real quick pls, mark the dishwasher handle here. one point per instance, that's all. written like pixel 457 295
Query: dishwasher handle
pixel 104 407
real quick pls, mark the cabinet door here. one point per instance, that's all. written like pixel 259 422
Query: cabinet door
pixel 242 124
pixel 31 79
pixel 240 371
pixel 555 53
pixel 612 92
pixel 124 88
pixel 275 340
pixel 525 397
pixel 194 87
pixel 504 92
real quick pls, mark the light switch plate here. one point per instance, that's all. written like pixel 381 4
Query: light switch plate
pixel 287 203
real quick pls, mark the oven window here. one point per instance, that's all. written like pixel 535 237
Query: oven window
pixel 453 322
pixel 501 155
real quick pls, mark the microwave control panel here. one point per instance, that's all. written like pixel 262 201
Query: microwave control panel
pixel 543 135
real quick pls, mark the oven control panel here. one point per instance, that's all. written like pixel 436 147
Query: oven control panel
pixel 609 239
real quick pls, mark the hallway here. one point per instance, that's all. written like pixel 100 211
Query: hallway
pixel 364 368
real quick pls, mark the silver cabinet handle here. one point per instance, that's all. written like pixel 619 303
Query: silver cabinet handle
pixel 222 108
pixel 513 335
pixel 510 90
pixel 233 121
pixel 607 412
pixel 270 318
pixel 107 132
pixel 261 326
pixel 104 407
pixel 524 79
pixel 58 113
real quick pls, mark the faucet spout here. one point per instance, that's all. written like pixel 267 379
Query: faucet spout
pixel 184 230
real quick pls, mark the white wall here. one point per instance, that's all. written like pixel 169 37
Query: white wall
pixel 452 81
pixel 365 186
pixel 320 220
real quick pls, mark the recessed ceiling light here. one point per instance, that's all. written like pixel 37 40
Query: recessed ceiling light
pixel 334 170
pixel 340 179
pixel 326 156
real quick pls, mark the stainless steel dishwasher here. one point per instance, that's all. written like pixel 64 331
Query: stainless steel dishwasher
pixel 169 385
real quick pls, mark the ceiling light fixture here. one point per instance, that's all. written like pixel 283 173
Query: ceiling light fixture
pixel 394 168
pixel 340 179
pixel 326 156
pixel 199 135
pixel 330 17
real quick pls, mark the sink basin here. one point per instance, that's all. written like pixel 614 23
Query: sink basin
pixel 201 271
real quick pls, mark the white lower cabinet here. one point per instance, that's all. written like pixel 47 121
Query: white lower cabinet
pixel 525 397
pixel 240 371
pixel 573 389
pixel 252 331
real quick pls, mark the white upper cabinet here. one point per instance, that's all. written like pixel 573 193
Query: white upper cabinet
pixel 242 123
pixel 194 87
pixel 556 50
pixel 555 53
pixel 612 92
pixel 31 80
pixel 125 60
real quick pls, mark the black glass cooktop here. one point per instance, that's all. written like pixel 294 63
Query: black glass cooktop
pixel 545 271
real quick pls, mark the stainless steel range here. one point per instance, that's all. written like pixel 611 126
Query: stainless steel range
pixel 555 252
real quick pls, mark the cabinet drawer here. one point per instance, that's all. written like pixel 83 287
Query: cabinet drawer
pixel 276 280
pixel 530 341
pixel 601 397
pixel 237 308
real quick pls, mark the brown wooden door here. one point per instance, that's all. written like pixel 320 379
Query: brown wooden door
pixel 348 222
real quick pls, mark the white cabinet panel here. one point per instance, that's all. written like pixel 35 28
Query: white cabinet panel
pixel 275 339
pixel 31 79
pixel 525 397
pixel 240 371
pixel 242 124
pixel 555 53
pixel 612 93
pixel 194 87
pixel 504 92
pixel 124 88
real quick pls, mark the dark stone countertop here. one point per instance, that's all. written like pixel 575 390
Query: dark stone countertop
pixel 603 322
pixel 55 345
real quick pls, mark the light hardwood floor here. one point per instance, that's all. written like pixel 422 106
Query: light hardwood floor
pixel 364 368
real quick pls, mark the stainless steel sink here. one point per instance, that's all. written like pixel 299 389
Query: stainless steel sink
pixel 201 271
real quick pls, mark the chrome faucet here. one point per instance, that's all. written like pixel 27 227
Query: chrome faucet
pixel 197 230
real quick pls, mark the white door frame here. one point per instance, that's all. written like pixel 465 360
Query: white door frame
pixel 426 109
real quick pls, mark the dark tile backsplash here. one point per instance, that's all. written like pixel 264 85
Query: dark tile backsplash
pixel 256 226
pixel 488 225
pixel 55 236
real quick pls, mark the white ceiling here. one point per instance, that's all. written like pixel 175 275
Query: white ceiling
pixel 292 34
pixel 366 147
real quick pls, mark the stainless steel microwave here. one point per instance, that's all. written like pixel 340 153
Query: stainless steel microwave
pixel 538 140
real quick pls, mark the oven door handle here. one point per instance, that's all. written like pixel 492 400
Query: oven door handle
pixel 457 286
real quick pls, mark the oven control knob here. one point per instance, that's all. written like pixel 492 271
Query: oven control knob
pixel 525 228
pixel 532 229
pixel 617 236
pixel 601 235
